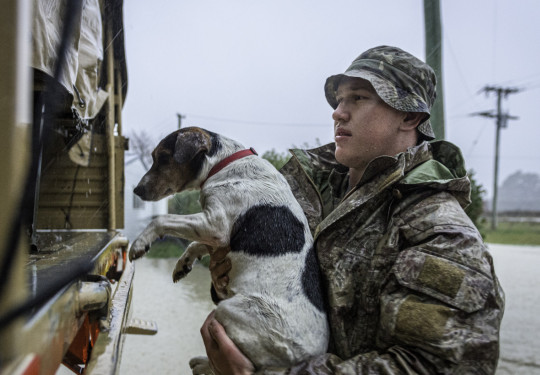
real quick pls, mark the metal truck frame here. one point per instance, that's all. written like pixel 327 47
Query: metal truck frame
pixel 66 284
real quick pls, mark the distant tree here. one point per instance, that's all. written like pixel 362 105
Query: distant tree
pixel 141 147
pixel 476 208
pixel 520 192
pixel 307 146
pixel 185 203
pixel 277 159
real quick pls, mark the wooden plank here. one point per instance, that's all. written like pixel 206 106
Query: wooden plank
pixel 78 200
pixel 87 218
pixel 84 189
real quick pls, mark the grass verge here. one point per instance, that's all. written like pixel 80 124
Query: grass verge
pixel 513 233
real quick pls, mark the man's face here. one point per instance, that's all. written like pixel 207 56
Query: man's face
pixel 365 127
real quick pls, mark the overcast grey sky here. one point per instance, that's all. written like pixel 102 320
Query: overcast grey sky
pixel 254 70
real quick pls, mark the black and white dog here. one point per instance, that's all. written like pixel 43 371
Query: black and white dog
pixel 273 309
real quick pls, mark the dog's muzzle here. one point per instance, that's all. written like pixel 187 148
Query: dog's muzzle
pixel 140 191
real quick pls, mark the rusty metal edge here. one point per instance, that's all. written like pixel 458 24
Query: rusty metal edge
pixel 50 331
pixel 107 351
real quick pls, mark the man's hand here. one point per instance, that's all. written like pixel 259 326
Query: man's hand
pixel 225 357
pixel 220 265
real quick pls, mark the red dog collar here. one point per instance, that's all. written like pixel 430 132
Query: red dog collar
pixel 228 160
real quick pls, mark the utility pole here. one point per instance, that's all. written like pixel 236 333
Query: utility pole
pixel 180 117
pixel 501 122
pixel 433 33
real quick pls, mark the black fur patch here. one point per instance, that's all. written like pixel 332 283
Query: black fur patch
pixel 195 166
pixel 216 144
pixel 311 280
pixel 268 231
pixel 169 141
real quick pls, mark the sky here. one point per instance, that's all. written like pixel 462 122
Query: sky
pixel 254 70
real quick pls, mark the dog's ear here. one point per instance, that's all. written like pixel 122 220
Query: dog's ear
pixel 190 143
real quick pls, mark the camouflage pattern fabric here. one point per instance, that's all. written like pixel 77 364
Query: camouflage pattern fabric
pixel 400 79
pixel 410 286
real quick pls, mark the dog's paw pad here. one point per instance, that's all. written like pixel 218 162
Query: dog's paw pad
pixel 135 254
pixel 177 276
pixel 180 274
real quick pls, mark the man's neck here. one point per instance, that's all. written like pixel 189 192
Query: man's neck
pixel 355 175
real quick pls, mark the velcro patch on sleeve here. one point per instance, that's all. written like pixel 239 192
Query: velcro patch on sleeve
pixel 441 276
pixel 420 320
pixel 443 279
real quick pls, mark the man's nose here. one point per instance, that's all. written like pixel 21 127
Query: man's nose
pixel 340 113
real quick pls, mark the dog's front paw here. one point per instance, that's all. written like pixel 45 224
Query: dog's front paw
pixel 200 366
pixel 138 249
pixel 183 267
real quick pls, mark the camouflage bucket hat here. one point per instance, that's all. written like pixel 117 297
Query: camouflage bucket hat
pixel 400 79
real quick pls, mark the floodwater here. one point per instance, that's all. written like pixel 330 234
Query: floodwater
pixel 180 310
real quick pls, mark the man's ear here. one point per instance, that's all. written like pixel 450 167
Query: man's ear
pixel 190 143
pixel 411 120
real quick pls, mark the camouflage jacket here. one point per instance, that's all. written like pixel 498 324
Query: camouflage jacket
pixel 410 285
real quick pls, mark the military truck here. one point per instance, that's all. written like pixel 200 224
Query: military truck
pixel 65 280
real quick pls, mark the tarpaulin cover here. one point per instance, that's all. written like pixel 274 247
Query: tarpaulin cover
pixel 84 53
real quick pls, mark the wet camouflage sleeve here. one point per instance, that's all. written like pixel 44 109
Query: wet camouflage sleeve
pixel 440 306
pixel 443 301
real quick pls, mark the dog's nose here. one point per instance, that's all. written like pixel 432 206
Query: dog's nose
pixel 139 190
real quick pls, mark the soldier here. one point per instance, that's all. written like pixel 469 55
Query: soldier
pixel 410 284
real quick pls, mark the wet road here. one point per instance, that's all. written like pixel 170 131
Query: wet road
pixel 180 309
pixel 517 269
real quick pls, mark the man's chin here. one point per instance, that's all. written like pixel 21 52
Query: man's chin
pixel 342 156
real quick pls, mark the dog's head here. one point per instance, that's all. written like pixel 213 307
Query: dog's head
pixel 177 161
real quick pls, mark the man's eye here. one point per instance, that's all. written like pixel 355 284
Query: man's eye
pixel 359 97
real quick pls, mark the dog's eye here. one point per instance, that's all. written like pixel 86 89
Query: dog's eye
pixel 163 159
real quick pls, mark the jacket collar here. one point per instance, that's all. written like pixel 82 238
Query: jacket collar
pixel 425 162
pixel 386 171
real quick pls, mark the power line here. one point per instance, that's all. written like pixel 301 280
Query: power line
pixel 464 81
pixel 522 83
pixel 531 85
pixel 475 142
pixel 255 123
